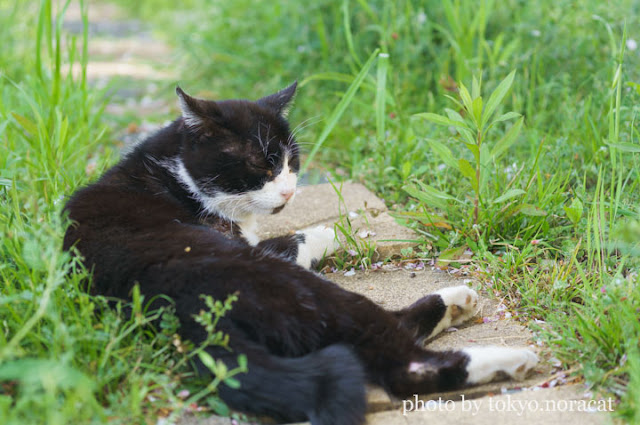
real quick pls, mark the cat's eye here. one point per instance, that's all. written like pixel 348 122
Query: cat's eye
pixel 260 167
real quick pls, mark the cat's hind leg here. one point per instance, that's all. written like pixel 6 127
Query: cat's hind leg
pixel 436 312
pixel 386 343
pixel 488 363
pixel 438 371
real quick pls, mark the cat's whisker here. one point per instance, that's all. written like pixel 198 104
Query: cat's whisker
pixel 304 124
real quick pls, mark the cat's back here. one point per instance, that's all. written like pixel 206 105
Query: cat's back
pixel 122 229
pixel 115 200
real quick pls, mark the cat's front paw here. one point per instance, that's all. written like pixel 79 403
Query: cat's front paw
pixel 460 303
pixel 489 363
pixel 318 242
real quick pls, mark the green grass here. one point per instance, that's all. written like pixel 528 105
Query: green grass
pixel 547 199
pixel 65 356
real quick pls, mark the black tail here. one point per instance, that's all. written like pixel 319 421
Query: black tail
pixel 325 387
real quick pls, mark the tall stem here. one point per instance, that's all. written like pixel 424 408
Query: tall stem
pixel 477 191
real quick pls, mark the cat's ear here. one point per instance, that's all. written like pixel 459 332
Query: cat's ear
pixel 279 102
pixel 196 111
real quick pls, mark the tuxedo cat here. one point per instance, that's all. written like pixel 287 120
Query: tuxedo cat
pixel 177 216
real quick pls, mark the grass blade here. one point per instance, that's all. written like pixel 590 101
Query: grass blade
pixel 508 139
pixel 496 97
pixel 340 108
pixel 381 95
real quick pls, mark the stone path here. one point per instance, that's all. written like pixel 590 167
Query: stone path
pixel 322 205
pixel 136 67
pixel 124 48
pixel 397 288
pixel 533 401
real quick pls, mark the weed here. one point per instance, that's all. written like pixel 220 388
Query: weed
pixel 65 356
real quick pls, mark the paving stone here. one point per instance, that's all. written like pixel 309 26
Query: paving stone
pixel 320 204
pixel 553 406
pixel 131 49
pixel 566 405
pixel 378 400
pixel 98 70
pixel 124 48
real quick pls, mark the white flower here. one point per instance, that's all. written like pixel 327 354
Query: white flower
pixel 536 33
pixel 632 44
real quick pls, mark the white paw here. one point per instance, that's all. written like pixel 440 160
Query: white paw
pixel 461 303
pixel 318 242
pixel 489 363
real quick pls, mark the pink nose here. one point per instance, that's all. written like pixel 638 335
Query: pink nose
pixel 287 194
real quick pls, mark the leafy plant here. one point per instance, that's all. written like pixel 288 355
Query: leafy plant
pixel 499 201
pixel 209 319
pixel 472 133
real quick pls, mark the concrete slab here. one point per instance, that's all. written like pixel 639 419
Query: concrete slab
pixel 320 204
pixel 554 406
pixel 565 405
pixel 118 47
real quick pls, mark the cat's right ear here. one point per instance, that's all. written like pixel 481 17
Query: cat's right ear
pixel 279 102
pixel 195 111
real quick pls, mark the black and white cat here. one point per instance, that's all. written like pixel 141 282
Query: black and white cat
pixel 177 216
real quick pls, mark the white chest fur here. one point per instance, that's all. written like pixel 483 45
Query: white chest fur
pixel 249 228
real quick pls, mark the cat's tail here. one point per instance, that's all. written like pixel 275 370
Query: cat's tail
pixel 326 387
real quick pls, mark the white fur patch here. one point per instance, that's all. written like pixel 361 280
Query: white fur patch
pixel 422 369
pixel 486 363
pixel 238 207
pixel 273 192
pixel 191 120
pixel 461 303
pixel 318 242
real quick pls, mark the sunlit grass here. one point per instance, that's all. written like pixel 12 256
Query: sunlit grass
pixel 541 205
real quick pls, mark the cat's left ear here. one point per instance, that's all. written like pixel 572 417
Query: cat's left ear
pixel 279 102
pixel 197 112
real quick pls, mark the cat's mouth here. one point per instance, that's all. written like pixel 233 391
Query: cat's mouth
pixel 278 209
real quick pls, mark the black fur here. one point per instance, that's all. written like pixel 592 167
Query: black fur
pixel 285 246
pixel 310 344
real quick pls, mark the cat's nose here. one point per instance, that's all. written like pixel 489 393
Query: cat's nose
pixel 287 194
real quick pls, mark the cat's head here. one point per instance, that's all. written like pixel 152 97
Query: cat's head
pixel 238 157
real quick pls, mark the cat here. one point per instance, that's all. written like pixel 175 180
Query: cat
pixel 177 216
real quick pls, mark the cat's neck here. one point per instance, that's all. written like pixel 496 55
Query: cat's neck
pixel 164 173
